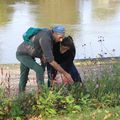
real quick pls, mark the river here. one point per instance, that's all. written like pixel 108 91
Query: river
pixel 93 24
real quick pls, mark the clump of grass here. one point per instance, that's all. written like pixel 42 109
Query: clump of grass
pixel 106 87
pixel 5 80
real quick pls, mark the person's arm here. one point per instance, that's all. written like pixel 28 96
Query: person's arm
pixel 47 51
pixel 61 70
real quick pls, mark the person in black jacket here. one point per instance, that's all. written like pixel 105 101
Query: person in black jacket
pixel 64 53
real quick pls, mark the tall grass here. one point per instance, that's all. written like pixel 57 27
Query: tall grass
pixel 100 90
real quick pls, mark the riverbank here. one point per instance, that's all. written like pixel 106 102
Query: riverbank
pixel 9 78
pixel 10 73
pixel 97 99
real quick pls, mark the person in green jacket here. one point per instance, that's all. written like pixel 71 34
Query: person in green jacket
pixel 41 48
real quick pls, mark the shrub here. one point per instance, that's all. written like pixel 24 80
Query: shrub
pixel 5 105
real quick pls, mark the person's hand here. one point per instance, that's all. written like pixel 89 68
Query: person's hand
pixel 68 79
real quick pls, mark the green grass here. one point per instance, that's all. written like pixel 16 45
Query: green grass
pixel 97 99
pixel 98 114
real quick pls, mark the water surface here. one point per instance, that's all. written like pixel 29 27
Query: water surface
pixel 94 24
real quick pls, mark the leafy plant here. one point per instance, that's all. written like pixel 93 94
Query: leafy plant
pixel 5 105
pixel 22 105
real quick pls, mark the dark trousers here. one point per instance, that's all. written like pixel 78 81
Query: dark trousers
pixel 74 73
pixel 71 70
pixel 51 73
pixel 27 63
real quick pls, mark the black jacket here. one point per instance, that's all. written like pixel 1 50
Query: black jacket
pixel 65 59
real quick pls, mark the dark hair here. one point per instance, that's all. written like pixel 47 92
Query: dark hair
pixel 67 41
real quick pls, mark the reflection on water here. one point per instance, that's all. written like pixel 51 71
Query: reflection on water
pixel 5 13
pixel 54 12
pixel 88 21
pixel 105 9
